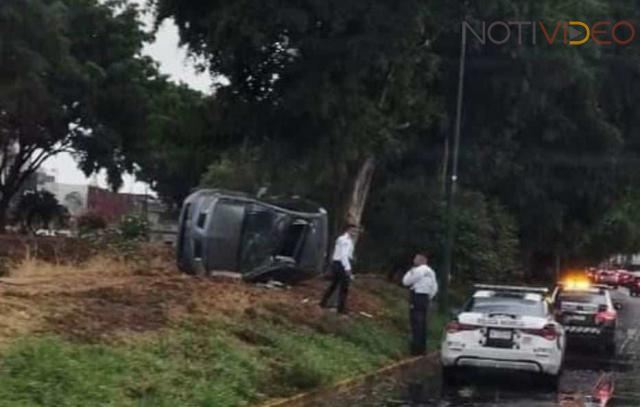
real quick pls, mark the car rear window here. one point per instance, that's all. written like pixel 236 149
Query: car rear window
pixel 502 305
pixel 585 298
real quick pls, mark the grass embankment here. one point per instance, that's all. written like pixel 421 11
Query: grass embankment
pixel 240 357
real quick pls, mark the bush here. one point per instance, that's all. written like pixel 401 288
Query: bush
pixel 407 216
pixel 134 228
pixel 40 209
pixel 91 223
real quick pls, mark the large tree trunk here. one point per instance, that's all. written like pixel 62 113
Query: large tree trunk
pixel 4 213
pixel 360 191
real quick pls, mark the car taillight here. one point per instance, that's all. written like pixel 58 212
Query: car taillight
pixel 455 326
pixel 605 316
pixel 548 332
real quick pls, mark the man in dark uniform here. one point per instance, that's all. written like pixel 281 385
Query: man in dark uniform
pixel 422 282
pixel 342 273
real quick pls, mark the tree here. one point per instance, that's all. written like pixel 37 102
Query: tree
pixel 321 87
pixel 179 142
pixel 324 94
pixel 536 131
pixel 40 208
pixel 71 79
pixel 407 216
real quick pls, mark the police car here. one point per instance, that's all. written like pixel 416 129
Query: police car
pixel 587 313
pixel 505 327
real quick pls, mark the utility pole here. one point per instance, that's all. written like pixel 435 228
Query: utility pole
pixel 453 180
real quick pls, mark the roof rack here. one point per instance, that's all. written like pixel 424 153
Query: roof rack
pixel 510 288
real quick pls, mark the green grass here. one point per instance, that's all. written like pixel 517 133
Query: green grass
pixel 219 364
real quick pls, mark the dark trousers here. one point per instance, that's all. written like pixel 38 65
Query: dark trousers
pixel 418 308
pixel 340 281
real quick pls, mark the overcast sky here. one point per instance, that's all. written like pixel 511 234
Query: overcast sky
pixel 174 62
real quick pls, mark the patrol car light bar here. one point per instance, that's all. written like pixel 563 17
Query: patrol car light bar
pixel 579 285
pixel 509 288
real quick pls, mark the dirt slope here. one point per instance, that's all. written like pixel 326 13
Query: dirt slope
pixel 105 299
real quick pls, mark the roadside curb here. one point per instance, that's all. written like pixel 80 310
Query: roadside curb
pixel 346 384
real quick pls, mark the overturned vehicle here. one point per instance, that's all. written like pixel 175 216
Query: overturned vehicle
pixel 255 239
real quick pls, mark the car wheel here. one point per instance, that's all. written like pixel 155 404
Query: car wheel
pixel 609 347
pixel 551 382
pixel 449 375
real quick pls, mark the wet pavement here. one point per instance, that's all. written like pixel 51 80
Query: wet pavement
pixel 584 368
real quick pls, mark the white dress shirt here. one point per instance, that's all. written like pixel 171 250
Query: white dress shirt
pixel 422 280
pixel 343 251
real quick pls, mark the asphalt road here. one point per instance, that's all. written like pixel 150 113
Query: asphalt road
pixel 584 367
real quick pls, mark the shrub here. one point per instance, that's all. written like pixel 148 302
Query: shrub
pixel 134 228
pixel 486 243
pixel 91 223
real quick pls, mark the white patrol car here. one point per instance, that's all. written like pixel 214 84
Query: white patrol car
pixel 504 327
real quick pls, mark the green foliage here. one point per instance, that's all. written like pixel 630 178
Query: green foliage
pixel 61 91
pixel 122 241
pixel 315 86
pixel 409 216
pixel 619 230
pixel 90 222
pixel 179 141
pixel 134 228
pixel 540 134
pixel 51 372
pixel 237 170
pixel 199 363
pixel 40 208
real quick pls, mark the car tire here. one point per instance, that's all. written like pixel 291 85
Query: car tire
pixel 450 375
pixel 609 346
pixel 551 382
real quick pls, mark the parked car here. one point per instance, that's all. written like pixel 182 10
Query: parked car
pixel 634 286
pixel 504 327
pixel 587 313
pixel 608 277
pixel 624 277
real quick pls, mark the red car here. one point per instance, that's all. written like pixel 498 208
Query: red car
pixel 608 277
pixel 625 278
pixel 634 286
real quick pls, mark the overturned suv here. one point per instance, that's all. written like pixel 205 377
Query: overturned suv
pixel 587 313
pixel 254 239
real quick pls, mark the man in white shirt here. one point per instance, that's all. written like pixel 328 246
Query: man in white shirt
pixel 422 282
pixel 342 273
